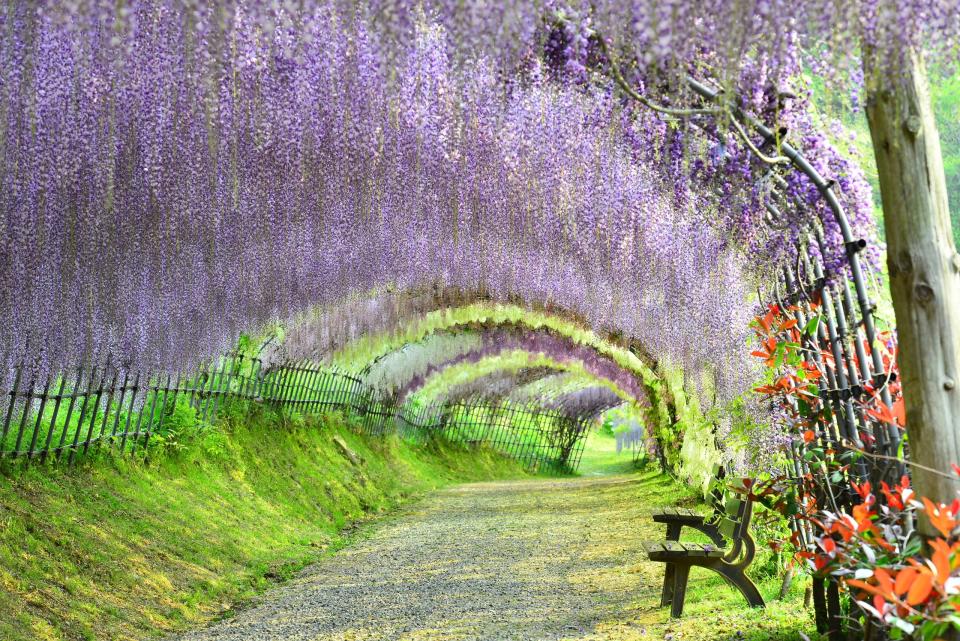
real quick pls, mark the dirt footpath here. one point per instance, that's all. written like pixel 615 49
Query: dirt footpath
pixel 536 560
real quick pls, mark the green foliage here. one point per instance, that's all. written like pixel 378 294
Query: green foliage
pixel 684 434
pixel 945 92
pixel 714 611
pixel 600 457
pixel 359 353
pixel 435 386
pixel 134 547
pixel 945 96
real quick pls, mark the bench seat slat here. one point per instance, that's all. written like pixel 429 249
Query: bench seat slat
pixel 672 550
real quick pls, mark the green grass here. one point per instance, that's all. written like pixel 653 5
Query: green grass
pixel 122 548
pixel 714 610
pixel 600 457
pixel 536 440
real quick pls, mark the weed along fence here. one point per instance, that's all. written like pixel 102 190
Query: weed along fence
pixel 63 416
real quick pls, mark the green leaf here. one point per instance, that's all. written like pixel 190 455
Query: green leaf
pixel 791 505
pixel 813 454
pixel 812 325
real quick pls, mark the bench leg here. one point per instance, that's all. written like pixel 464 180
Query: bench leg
pixel 666 597
pixel 681 573
pixel 742 582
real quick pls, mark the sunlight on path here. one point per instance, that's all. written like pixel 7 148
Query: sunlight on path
pixel 535 559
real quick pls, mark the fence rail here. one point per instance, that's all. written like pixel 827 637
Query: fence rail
pixel 67 415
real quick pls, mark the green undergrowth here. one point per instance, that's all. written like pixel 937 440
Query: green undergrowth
pixel 132 548
pixel 714 611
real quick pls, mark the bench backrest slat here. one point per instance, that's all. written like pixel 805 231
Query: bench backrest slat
pixel 734 523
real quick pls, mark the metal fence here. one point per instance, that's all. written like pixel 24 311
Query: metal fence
pixel 63 416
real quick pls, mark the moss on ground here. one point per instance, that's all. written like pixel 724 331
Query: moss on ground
pixel 714 611
pixel 122 548
pixel 126 548
pixel 600 456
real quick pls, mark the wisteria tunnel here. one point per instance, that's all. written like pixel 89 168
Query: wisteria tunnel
pixel 362 250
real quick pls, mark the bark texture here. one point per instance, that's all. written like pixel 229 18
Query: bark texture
pixel 924 268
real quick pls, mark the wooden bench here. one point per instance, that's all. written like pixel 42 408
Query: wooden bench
pixel 676 518
pixel 731 551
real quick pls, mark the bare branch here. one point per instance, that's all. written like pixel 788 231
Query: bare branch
pixel 770 160
pixel 633 93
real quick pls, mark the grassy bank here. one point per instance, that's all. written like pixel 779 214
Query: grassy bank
pixel 714 611
pixel 129 549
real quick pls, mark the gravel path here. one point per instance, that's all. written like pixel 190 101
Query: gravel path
pixel 537 560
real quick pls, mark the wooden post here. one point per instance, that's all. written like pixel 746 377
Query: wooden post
pixel 924 267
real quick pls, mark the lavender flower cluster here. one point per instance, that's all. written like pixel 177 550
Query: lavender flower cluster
pixel 174 175
pixel 406 370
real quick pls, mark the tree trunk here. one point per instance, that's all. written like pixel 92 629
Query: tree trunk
pixel 924 268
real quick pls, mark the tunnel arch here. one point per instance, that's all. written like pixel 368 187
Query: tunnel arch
pixel 415 360
pixel 361 329
pixel 474 365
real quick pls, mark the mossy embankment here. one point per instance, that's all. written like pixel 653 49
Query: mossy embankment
pixel 127 548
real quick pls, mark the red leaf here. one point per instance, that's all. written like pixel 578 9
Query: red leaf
pixel 882 413
pixel 941 559
pixel 900 412
pixel 884 582
pixel 920 589
pixel 904 580
pixel 940 517
pixel 893 500
pixel 863 491
pixel 863 585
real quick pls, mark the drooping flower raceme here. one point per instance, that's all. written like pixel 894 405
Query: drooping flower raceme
pixel 405 370
pixel 172 178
